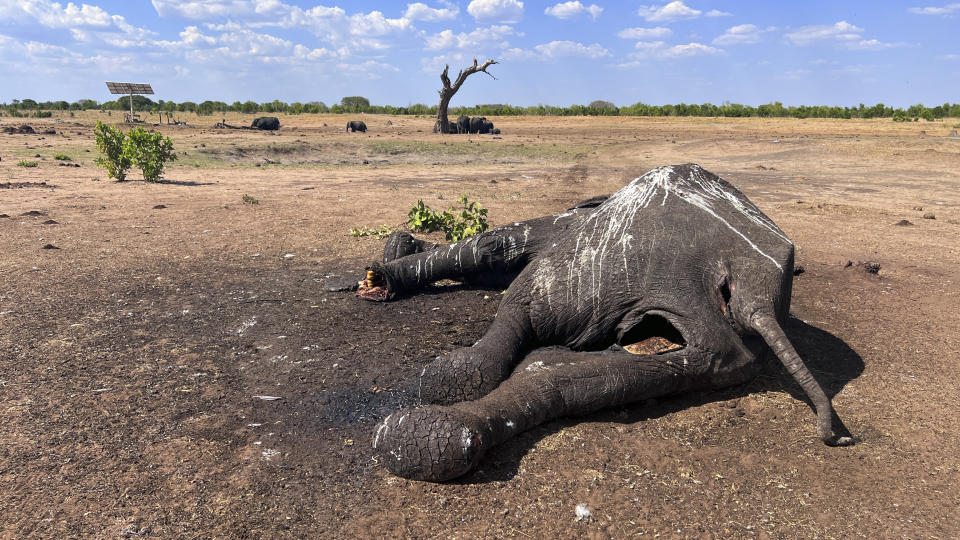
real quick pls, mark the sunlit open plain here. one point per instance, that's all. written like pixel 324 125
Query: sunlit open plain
pixel 133 348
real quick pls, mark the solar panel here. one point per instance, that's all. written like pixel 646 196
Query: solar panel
pixel 129 88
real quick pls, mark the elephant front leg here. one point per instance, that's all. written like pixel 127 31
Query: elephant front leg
pixel 411 264
pixel 441 443
pixel 469 373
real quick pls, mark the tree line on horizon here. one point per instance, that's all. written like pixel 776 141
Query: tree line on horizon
pixel 359 104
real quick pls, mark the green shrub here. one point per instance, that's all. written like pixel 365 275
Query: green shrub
pixel 151 152
pixel 422 218
pixel 25 163
pixel 247 199
pixel 115 155
pixel 62 157
pixel 382 231
pixel 146 150
pixel 900 115
pixel 471 220
pixel 456 223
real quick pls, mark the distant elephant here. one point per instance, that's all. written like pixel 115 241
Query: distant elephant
pixel 487 126
pixel 356 125
pixel 451 127
pixel 477 123
pixel 269 123
pixel 495 131
pixel 463 124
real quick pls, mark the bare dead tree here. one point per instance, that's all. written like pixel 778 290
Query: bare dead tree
pixel 446 93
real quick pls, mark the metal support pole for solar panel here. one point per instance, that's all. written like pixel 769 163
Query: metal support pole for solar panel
pixel 130 89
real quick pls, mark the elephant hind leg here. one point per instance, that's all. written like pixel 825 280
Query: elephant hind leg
pixel 554 383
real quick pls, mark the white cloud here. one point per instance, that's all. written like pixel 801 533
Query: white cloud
pixel 645 33
pixel 569 10
pixel 691 49
pixel 871 45
pixel 830 33
pixel 369 70
pixel 568 49
pixel 739 34
pixel 443 40
pixel 502 11
pixel 717 13
pixel 374 23
pixel 84 21
pixel 674 11
pixel 950 56
pixel 947 10
pixel 423 12
pixel 202 9
pixel 35 49
pixel 44 59
pixel 435 65
pixel 556 50
pixel 482 38
pixel 193 37
pixel 360 31
pixel 660 50
pixel 241 46
pixel 53 15
pixel 842 35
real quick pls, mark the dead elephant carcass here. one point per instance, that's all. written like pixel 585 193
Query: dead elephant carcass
pixel 267 123
pixel 676 282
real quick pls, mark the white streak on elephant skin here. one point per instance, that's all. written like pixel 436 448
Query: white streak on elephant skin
pixel 609 227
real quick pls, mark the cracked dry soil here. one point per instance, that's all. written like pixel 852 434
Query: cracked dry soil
pixel 140 361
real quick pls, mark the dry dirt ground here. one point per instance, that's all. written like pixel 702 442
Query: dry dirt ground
pixel 133 351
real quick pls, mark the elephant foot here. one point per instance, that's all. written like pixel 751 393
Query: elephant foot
pixel 374 287
pixel 433 443
pixel 400 244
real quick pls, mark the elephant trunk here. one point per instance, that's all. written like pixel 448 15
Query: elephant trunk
pixel 765 323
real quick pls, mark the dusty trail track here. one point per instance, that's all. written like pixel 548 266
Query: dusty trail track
pixel 131 356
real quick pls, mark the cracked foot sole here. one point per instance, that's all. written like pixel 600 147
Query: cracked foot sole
pixel 432 443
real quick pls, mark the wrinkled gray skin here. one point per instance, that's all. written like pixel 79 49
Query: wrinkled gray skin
pixel 356 125
pixel 463 124
pixel 677 253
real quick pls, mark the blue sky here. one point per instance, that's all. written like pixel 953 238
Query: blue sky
pixel 752 52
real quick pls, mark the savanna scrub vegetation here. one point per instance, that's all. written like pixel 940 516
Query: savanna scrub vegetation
pixel 359 104
pixel 146 150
